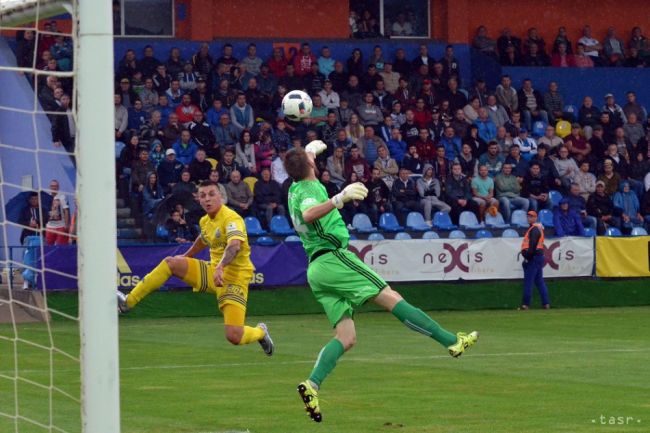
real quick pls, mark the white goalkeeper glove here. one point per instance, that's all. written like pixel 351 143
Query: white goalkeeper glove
pixel 354 191
pixel 316 147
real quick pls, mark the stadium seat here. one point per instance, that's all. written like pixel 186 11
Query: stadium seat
pixel 468 220
pixel 483 234
pixel 613 231
pixel 213 162
pixel 519 219
pixel 510 233
pixel 162 233
pixel 590 232
pixel 545 217
pixel 353 237
pixel 495 221
pixel 556 196
pixel 362 223
pixel 442 221
pixel 266 241
pixel 376 237
pixel 292 238
pixel 251 181
pixel 457 234
pixel 280 226
pixel 254 227
pixel 639 231
pixel 430 235
pixel 403 236
pixel 388 223
pixel 415 221
pixel 539 128
pixel 570 109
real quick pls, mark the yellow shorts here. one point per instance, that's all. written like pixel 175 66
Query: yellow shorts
pixel 235 283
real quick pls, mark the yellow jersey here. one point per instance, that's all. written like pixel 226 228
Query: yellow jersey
pixel 216 232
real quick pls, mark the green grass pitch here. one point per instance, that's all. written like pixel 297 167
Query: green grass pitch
pixel 565 370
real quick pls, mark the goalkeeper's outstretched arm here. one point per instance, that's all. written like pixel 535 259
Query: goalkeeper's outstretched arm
pixel 196 247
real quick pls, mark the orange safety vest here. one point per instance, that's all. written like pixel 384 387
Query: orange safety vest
pixel 540 244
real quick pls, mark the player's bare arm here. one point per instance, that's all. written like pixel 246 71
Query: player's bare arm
pixel 229 254
pixel 196 248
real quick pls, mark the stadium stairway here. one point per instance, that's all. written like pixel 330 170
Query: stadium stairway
pixel 127 231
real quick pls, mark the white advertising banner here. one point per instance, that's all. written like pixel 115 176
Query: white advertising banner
pixel 471 259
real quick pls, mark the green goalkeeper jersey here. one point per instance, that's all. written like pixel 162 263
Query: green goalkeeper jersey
pixel 326 233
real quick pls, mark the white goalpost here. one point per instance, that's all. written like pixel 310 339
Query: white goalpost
pixel 36 391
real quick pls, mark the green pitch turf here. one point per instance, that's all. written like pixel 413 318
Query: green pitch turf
pixel 537 371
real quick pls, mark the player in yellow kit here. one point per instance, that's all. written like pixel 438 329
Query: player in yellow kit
pixel 227 274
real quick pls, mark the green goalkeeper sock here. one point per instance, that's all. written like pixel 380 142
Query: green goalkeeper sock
pixel 326 361
pixel 419 321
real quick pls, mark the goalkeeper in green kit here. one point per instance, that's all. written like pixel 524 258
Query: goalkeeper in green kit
pixel 338 279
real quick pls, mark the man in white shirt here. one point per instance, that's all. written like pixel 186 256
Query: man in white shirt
pixel 278 173
pixel 329 97
pixel 58 221
pixel 592 46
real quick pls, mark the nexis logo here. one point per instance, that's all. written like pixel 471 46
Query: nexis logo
pixel 452 258
pixel 366 253
pixel 554 255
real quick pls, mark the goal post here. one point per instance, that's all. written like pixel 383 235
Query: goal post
pixel 97 260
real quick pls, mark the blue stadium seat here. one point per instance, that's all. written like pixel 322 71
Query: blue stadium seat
pixel 613 231
pixel 483 234
pixel 266 241
pixel 292 238
pixel 442 221
pixel 457 234
pixel 353 237
pixel 468 220
pixel 362 223
pixel 539 128
pixel 510 233
pixel 430 235
pixel 415 221
pixel 402 236
pixel 639 231
pixel 280 226
pixel 162 233
pixel 570 109
pixel 590 232
pixel 519 219
pixel 495 221
pixel 388 223
pixel 254 227
pixel 545 217
pixel 556 196
pixel 376 237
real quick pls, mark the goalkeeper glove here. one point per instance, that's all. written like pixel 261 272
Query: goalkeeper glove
pixel 316 147
pixel 354 191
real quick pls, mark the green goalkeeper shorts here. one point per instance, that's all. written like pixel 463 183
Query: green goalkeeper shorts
pixel 341 282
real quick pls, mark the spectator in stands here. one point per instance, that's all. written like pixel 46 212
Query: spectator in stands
pixel 592 46
pixel 496 112
pixel 228 164
pixel 601 206
pixel 354 129
pixel 534 38
pixel 172 131
pixel 329 97
pixel 177 228
pixel 566 221
pixel 550 140
pixel 627 202
pixel 188 79
pixel 471 110
pixel 480 90
pixel 425 146
pixel 585 180
pixel 226 134
pixel 200 168
pixel 535 57
pixel 613 48
pixel 31 218
pixel 201 96
pixel 617 116
pixel 25 51
pixel 278 172
pixel 161 79
pixel 554 105
pixel 633 107
pixel 390 77
pixel 507 189
pixel 264 152
pixel 357 164
pixel 213 115
pixel 451 143
pixel 387 166
pixel 169 171
pixel 164 109
pixel 547 167
pixel 121 117
pixel 241 114
pixel 492 159
pixel 484 43
pixel 336 166
pixel 479 146
pixel 458 193
pixel 152 195
pixel 581 59
pixel 405 196
pixel 609 177
pixel 326 180
pixel 517 162
pixel 483 191
pixel 240 197
pixel 58 217
pixel 511 57
pixel 635 59
pixel 156 153
pixel 148 96
pixel 202 61
pixel 588 115
pixel 175 93
pixel 504 140
pixel 412 161
pixel 152 130
pixel 184 185
pixel 174 62
pixel 378 199
pixel 468 162
pixel 185 111
pixel 137 116
pixel 527 145
pixel 64 129
pixel 578 204
pixel 338 77
pixel 202 133
pixel 302 61
pixel 148 63
pixel 369 144
pixel 487 130
pixel 566 167
pixel 460 124
pixel 507 95
pixel 268 196
pixel 456 98
pixel 563 59
pixel 535 188
pixel 430 192
pixel 185 148
pixel 531 104
pixel 245 151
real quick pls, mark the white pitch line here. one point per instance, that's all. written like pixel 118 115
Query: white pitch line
pixel 386 359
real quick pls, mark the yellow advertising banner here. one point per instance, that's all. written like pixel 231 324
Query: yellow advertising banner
pixel 623 257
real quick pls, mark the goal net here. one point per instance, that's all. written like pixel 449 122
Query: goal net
pixel 58 349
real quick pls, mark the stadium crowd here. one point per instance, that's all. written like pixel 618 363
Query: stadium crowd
pixel 406 127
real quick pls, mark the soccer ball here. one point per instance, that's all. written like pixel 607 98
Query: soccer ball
pixel 296 105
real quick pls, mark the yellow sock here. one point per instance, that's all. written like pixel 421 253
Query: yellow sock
pixel 251 335
pixel 152 281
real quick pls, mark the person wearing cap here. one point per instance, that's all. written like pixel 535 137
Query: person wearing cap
pixel 527 145
pixel 616 114
pixel 201 95
pixel 566 221
pixel 628 203
pixel 127 94
pixel 601 206
pixel 169 171
pixel 532 253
